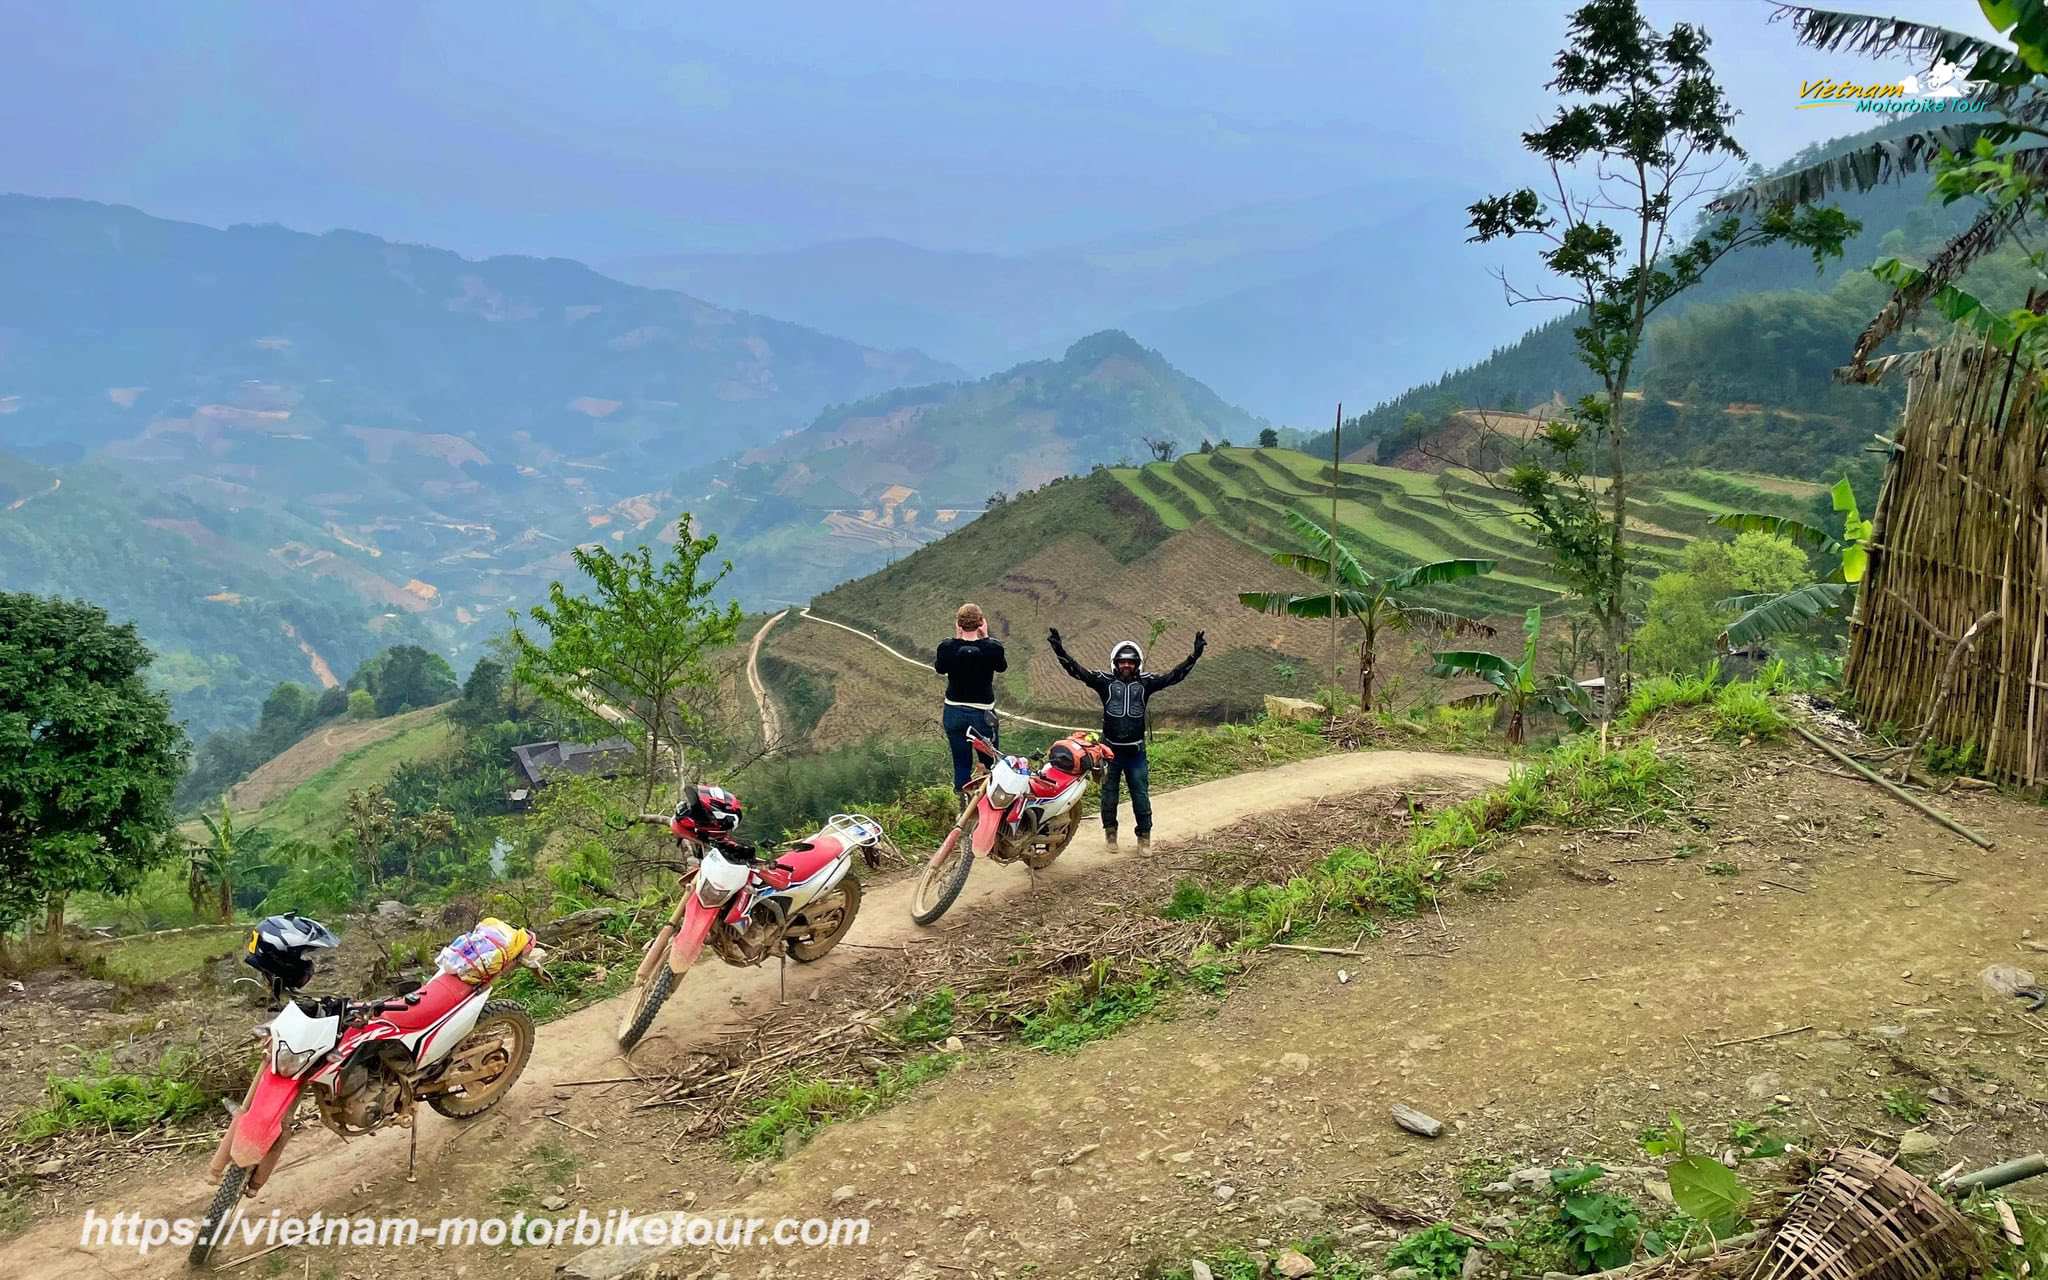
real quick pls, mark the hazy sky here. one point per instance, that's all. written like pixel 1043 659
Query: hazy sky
pixel 614 127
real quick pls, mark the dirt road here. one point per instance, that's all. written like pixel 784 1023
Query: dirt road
pixel 771 722
pixel 902 657
pixel 320 1173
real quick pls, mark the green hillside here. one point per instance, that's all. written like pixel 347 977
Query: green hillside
pixel 1763 328
pixel 873 480
pixel 1108 555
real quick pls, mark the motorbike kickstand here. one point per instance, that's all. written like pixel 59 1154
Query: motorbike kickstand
pixel 412 1135
pixel 782 976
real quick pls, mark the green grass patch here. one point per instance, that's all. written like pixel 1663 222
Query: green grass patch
pixel 805 1105
pixel 1182 757
pixel 1234 1262
pixel 160 959
pixel 1093 1007
pixel 1574 784
pixel 1738 710
pixel 105 1100
pixel 928 1021
pixel 315 807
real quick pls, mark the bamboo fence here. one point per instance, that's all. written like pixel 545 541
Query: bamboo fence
pixel 1961 543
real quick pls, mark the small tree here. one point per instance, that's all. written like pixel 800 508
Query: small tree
pixel 89 757
pixel 483 694
pixel 1269 438
pixel 362 705
pixel 1652 124
pixel 1353 593
pixel 1161 449
pixel 214 869
pixel 410 677
pixel 1517 683
pixel 1770 612
pixel 371 819
pixel 638 644
pixel 1690 608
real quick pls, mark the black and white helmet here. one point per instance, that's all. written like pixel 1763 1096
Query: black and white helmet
pixel 281 947
pixel 1126 649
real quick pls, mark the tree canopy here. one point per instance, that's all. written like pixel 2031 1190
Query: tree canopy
pixel 89 756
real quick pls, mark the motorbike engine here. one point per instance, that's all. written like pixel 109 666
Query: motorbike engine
pixel 752 942
pixel 364 1097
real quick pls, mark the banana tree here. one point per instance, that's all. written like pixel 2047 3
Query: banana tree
pixel 213 869
pixel 1768 615
pixel 1376 603
pixel 1519 685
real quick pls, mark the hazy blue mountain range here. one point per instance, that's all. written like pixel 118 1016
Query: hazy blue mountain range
pixel 225 433
pixel 1285 308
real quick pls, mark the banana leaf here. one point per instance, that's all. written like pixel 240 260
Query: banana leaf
pixel 1788 612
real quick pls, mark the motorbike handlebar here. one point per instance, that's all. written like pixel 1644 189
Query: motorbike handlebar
pixel 406 1001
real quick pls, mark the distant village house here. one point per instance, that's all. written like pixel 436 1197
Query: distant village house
pixel 536 762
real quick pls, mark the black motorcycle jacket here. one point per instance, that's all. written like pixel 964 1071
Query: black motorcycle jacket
pixel 1124 701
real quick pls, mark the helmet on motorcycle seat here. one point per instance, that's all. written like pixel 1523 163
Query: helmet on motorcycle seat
pixel 280 948
pixel 714 810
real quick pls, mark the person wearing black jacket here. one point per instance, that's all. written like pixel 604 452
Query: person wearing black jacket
pixel 1126 690
pixel 969 661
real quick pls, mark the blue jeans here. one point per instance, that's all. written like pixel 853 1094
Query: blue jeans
pixel 1129 764
pixel 957 721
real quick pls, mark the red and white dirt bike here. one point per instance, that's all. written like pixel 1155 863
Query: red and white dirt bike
pixel 368 1064
pixel 749 905
pixel 1017 814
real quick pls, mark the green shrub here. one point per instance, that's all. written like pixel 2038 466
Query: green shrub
pixel 123 1102
pixel 1438 1252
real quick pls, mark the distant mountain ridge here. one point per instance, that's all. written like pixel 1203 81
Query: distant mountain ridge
pixel 871 480
pixel 270 444
pixel 1284 307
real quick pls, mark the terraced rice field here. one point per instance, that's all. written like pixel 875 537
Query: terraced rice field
pixel 1393 518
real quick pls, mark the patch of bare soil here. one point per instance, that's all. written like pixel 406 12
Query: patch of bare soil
pixel 1778 957
pixel 595 1145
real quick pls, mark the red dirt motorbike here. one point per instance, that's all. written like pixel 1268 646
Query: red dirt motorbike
pixel 748 906
pixel 1015 814
pixel 368 1065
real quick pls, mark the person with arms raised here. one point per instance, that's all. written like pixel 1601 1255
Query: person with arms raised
pixel 1126 691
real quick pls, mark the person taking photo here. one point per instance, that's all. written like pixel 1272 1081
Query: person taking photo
pixel 969 661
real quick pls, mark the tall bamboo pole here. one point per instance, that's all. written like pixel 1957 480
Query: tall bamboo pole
pixel 1336 461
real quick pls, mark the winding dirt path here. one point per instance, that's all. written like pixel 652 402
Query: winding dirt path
pixel 321 1173
pixel 771 721
pixel 923 666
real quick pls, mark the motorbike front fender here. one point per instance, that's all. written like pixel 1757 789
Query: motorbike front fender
pixel 257 1129
pixel 988 821
pixel 690 936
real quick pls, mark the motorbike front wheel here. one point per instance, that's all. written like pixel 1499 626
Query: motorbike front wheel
pixel 213 1228
pixel 500 1043
pixel 653 993
pixel 834 922
pixel 944 876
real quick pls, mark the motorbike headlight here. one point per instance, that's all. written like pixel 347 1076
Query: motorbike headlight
pixel 292 1063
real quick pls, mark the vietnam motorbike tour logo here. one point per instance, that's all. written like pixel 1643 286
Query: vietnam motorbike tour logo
pixel 1943 91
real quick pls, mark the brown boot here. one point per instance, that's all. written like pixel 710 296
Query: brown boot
pixel 1144 845
pixel 1109 836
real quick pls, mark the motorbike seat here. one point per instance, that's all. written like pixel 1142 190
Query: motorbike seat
pixel 436 999
pixel 1049 782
